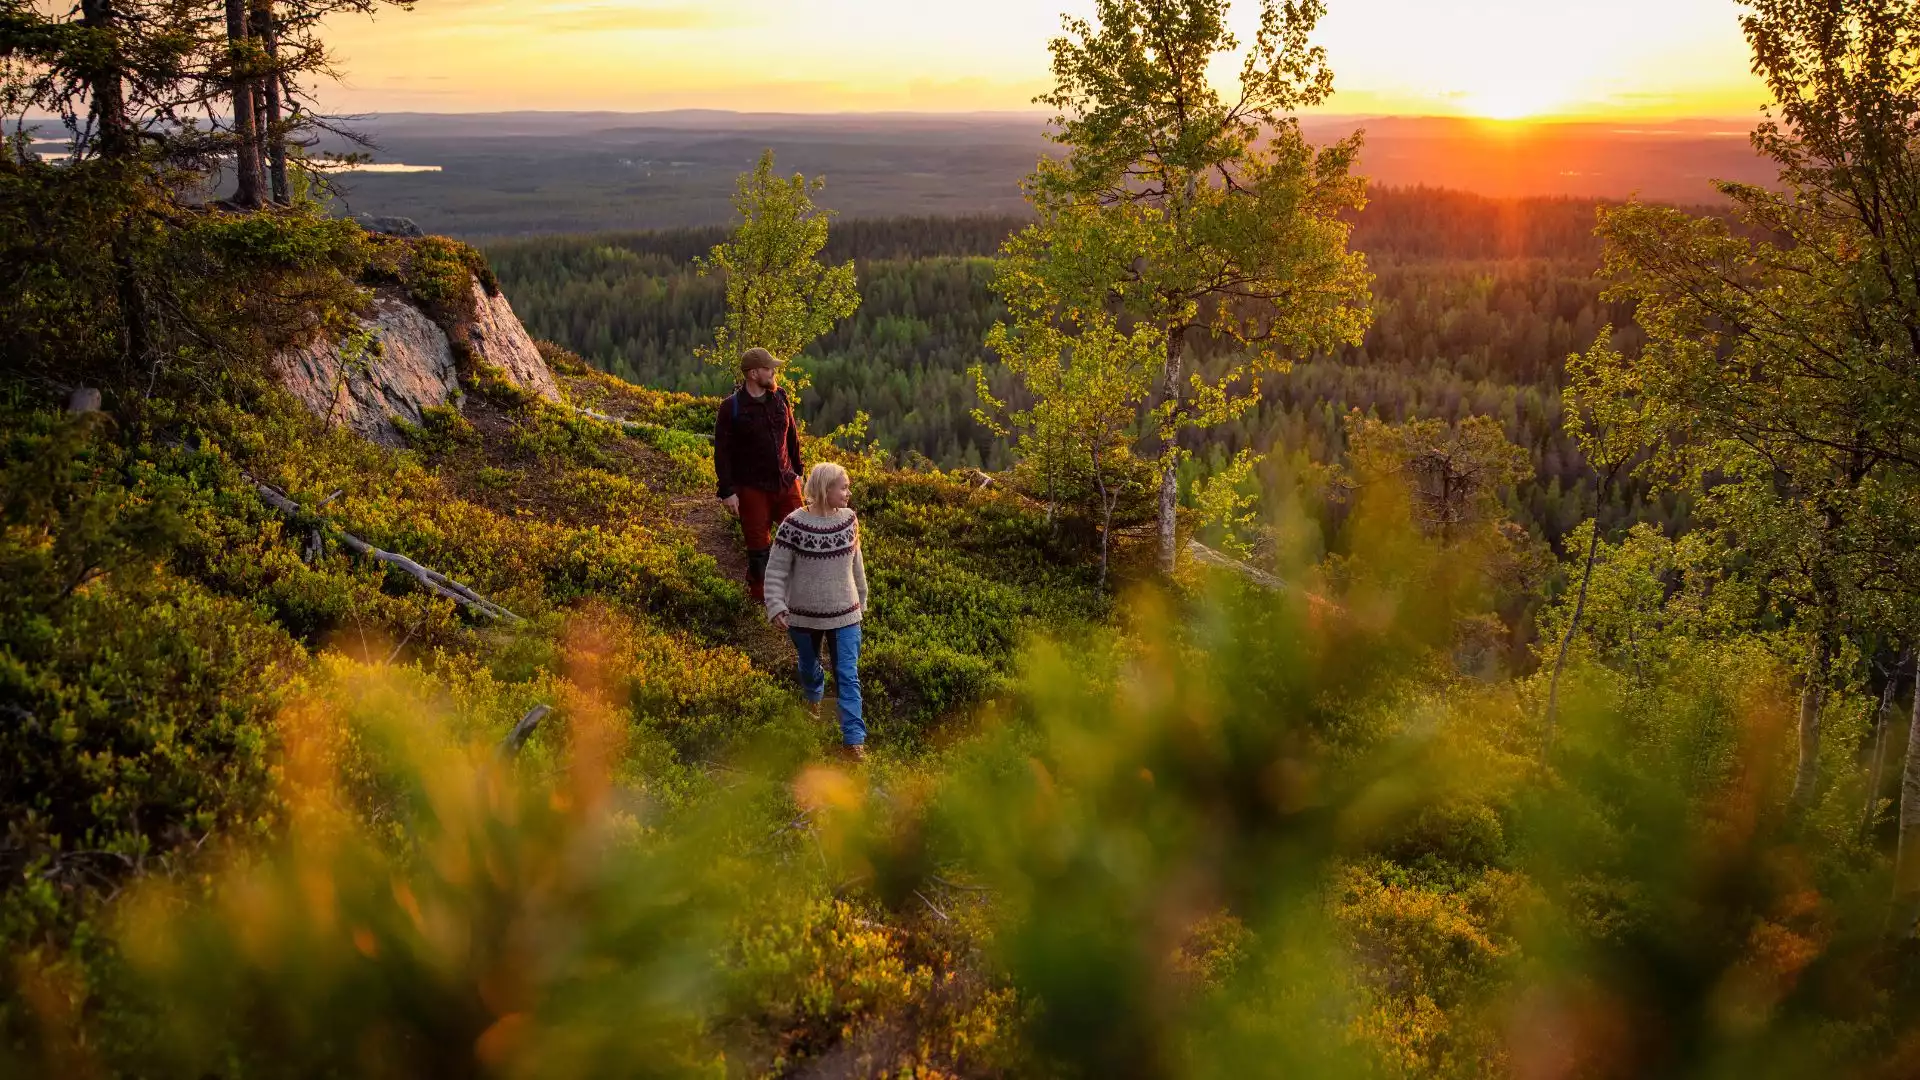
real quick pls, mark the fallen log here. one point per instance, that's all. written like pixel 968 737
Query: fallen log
pixel 1201 553
pixel 429 579
pixel 522 731
pixel 623 423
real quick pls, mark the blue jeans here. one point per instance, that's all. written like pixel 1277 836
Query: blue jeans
pixel 844 644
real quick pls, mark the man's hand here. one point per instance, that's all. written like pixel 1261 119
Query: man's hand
pixel 732 503
pixel 780 620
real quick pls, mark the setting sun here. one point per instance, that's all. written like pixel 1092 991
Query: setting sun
pixel 1518 102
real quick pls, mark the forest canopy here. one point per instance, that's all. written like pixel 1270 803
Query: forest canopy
pixel 1477 303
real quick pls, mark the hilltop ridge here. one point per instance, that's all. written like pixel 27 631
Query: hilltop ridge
pixel 525 174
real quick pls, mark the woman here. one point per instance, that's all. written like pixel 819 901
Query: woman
pixel 816 590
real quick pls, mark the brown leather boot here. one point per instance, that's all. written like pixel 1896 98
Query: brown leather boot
pixel 855 752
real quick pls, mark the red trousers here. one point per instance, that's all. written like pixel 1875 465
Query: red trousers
pixel 760 512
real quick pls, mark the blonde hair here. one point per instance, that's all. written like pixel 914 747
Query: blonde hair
pixel 821 477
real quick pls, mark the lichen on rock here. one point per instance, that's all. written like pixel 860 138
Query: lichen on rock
pixel 401 362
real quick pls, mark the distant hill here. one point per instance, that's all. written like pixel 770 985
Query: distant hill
pixel 504 174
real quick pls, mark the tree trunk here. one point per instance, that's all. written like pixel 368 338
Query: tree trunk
pixel 1054 454
pixel 136 341
pixel 1566 642
pixel 431 580
pixel 1106 518
pixel 116 140
pixel 522 731
pixel 1906 867
pixel 1170 461
pixel 107 97
pixel 1807 777
pixel 250 179
pixel 273 139
pixel 1876 765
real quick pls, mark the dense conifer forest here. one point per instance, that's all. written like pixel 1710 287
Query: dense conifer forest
pixel 1477 304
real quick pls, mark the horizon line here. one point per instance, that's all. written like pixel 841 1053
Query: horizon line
pixel 1016 114
pixel 1568 118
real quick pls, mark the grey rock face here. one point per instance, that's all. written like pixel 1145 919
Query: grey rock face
pixel 407 366
pixel 392 226
pixel 498 338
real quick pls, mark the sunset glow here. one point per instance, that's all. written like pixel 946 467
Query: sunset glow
pixel 1500 59
pixel 1519 102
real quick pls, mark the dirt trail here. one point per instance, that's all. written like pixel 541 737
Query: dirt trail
pixel 715 531
pixel 717 535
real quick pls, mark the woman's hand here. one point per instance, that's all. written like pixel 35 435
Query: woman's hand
pixel 780 620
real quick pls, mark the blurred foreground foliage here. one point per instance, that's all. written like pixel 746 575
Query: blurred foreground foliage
pixel 1233 832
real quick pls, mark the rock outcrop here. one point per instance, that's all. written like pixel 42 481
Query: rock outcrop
pixel 390 226
pixel 497 338
pixel 402 362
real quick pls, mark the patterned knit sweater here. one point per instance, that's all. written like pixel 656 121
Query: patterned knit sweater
pixel 815 573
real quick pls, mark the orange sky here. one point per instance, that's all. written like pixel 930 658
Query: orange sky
pixel 1646 59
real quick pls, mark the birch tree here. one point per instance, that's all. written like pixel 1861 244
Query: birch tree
pixel 1792 347
pixel 1615 425
pixel 1085 383
pixel 780 296
pixel 1204 216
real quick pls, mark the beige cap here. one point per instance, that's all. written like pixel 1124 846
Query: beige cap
pixel 757 358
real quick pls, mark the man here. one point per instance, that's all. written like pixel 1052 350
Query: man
pixel 756 456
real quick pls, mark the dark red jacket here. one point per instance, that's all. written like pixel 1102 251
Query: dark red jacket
pixel 755 442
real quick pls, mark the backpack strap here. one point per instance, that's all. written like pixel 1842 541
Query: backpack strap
pixel 779 394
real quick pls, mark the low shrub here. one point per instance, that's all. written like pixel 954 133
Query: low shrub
pixel 547 434
pixel 1432 957
pixel 692 455
pixel 920 682
pixel 490 382
pixel 826 985
pixel 136 703
pixel 441 428
pixel 439 273
pixel 599 487
pixel 635 566
pixel 959 580
pixel 1458 832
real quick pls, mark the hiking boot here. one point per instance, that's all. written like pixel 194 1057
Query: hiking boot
pixel 815 708
pixel 855 752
